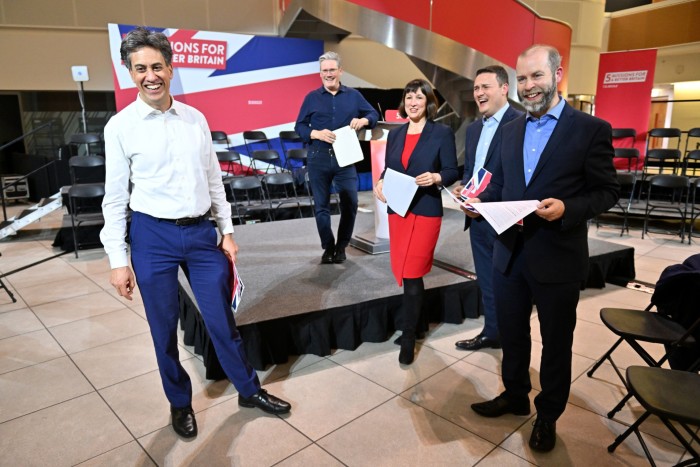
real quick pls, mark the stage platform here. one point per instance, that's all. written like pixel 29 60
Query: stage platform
pixel 293 305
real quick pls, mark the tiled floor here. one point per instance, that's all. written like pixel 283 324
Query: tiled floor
pixel 79 385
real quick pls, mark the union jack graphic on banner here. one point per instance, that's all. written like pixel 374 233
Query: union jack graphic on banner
pixel 238 81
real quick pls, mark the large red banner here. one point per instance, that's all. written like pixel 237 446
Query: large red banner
pixel 623 96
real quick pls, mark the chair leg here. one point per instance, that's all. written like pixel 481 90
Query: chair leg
pixel 9 292
pixel 619 405
pixel 634 428
pixel 75 234
pixel 603 358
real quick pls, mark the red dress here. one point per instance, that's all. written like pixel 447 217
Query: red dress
pixel 412 239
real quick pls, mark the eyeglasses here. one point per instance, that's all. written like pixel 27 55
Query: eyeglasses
pixel 331 71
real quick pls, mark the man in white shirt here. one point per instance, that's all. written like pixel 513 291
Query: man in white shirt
pixel 160 162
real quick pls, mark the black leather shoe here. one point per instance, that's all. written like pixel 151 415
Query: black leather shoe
pixel 544 435
pixel 328 255
pixel 339 256
pixel 184 422
pixel 500 406
pixel 266 402
pixel 478 342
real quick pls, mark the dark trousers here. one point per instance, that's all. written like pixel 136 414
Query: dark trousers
pixel 157 249
pixel 324 172
pixel 556 310
pixel 482 236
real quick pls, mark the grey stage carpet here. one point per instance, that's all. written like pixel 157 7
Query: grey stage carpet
pixel 292 304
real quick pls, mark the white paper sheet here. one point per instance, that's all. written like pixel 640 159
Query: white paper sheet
pixel 346 146
pixel 399 190
pixel 503 215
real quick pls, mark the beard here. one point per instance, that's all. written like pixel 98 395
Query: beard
pixel 548 94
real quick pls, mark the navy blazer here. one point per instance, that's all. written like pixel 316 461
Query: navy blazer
pixel 575 167
pixel 493 158
pixel 434 152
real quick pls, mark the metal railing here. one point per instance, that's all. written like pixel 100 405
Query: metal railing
pixel 24 177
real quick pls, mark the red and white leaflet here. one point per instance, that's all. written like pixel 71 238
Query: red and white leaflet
pixel 477 184
pixel 237 288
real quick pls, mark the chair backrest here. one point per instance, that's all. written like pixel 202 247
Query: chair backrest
pixel 278 179
pixel 85 198
pixel 691 163
pixel 631 154
pixel 265 155
pixel 86 169
pixel 298 154
pixel 85 138
pixel 228 156
pixel 86 161
pixel 219 137
pixel 694 133
pixel 665 133
pixel 624 133
pixel 669 181
pixel 280 185
pixel 251 139
pixel 663 158
pixel 254 136
pixel 246 183
pixel 626 179
pixel 86 190
pixel 290 137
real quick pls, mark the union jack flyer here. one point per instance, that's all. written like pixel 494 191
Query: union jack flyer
pixel 237 288
pixel 476 185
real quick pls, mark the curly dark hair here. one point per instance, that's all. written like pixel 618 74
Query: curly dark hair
pixel 142 37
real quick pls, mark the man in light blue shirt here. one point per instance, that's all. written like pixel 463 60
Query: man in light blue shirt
pixel 480 151
pixel 562 157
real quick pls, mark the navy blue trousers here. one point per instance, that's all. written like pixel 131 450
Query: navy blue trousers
pixel 324 172
pixel 482 236
pixel 157 249
pixel 556 310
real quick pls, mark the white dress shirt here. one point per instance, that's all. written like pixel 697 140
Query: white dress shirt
pixel 161 164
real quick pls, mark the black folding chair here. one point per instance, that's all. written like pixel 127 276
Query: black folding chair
pixel 675 324
pixel 631 155
pixel 86 169
pixel 230 159
pixel 692 163
pixel 249 201
pixel 265 160
pixel 254 139
pixel 219 137
pixel 667 195
pixel 627 182
pixel 85 208
pixel 672 396
pixel 281 193
pixel 694 206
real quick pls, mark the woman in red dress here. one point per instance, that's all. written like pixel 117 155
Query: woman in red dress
pixel 424 150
